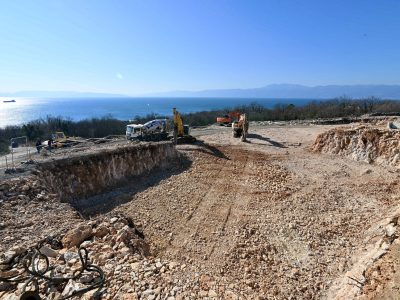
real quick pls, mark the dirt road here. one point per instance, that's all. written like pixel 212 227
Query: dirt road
pixel 18 154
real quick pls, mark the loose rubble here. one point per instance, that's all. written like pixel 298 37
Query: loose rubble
pixel 30 212
pixel 261 220
pixel 115 246
pixel 363 143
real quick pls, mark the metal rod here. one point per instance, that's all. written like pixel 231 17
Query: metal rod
pixel 27 150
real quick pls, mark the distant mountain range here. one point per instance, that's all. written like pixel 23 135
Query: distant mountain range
pixel 59 94
pixel 296 91
pixel 269 91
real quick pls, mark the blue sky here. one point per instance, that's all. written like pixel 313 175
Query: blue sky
pixel 135 47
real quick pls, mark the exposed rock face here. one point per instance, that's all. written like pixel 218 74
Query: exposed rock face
pixel 362 143
pixel 83 176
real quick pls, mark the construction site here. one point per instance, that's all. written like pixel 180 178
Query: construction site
pixel 291 210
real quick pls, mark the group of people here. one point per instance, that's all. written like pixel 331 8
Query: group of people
pixel 39 145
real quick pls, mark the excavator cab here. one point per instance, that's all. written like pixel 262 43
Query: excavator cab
pixel 228 119
pixel 186 129
pixel 58 136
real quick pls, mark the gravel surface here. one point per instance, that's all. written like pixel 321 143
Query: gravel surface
pixel 267 219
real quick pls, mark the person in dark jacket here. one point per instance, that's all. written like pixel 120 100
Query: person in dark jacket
pixel 50 144
pixel 38 145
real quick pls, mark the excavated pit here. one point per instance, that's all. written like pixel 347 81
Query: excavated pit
pixel 233 222
pixel 91 180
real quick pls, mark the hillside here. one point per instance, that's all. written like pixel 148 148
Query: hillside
pixel 296 91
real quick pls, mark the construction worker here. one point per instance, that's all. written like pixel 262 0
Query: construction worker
pixel 50 144
pixel 38 145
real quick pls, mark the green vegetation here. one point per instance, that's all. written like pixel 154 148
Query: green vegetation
pixel 336 108
pixel 100 127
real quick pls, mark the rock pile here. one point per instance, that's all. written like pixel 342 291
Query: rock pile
pixel 363 143
pixel 30 212
pixel 113 244
pixel 23 189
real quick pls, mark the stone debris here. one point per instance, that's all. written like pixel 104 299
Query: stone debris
pixel 30 212
pixel 236 224
pixel 285 236
pixel 77 235
pixel 363 143
pixel 393 125
pixel 361 279
pixel 120 254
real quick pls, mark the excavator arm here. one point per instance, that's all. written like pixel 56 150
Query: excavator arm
pixel 180 130
pixel 178 123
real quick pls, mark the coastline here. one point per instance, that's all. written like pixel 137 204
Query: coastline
pixel 126 108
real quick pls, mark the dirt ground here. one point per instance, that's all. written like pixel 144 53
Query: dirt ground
pixel 267 219
pixel 24 154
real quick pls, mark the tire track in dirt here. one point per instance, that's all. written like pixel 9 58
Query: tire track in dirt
pixel 189 217
pixel 242 209
pixel 234 213
pixel 199 225
pixel 207 223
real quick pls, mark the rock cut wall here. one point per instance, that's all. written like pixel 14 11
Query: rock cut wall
pixel 363 143
pixel 90 174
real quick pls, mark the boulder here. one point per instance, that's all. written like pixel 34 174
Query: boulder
pixel 101 231
pixel 48 251
pixel 77 235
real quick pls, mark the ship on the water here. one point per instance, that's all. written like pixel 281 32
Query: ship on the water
pixel 9 101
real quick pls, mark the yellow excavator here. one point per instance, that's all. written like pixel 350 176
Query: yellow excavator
pixel 60 140
pixel 181 131
pixel 241 127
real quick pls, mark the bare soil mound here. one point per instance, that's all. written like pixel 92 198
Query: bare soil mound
pixel 363 143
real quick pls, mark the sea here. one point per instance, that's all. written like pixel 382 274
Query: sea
pixel 24 110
